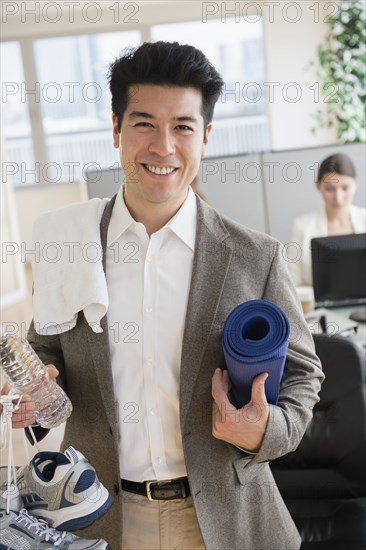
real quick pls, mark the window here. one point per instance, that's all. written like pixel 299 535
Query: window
pixel 236 50
pixel 64 126
pixel 73 104
pixel 16 128
pixel 75 100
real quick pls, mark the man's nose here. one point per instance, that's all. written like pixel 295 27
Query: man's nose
pixel 163 143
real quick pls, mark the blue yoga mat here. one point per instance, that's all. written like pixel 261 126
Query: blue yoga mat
pixel 255 340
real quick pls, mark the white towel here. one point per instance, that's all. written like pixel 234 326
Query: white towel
pixel 67 268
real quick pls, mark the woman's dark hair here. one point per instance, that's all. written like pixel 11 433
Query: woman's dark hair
pixel 164 64
pixel 337 164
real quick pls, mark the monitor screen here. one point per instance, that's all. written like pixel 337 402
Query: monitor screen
pixel 339 268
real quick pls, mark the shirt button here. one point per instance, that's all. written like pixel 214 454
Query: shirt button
pixel 148 309
pixel 149 258
pixel 158 460
pixel 153 411
pixel 149 361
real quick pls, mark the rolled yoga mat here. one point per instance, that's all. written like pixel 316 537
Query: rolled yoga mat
pixel 255 340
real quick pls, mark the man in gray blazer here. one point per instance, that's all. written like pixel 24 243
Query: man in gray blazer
pixel 193 267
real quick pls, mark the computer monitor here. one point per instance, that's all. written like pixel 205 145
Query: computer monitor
pixel 339 268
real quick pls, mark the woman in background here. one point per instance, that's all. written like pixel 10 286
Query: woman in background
pixel 337 185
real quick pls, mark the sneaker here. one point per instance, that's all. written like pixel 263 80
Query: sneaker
pixel 21 531
pixel 63 488
pixel 10 498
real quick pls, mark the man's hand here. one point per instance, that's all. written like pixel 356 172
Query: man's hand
pixel 243 427
pixel 25 416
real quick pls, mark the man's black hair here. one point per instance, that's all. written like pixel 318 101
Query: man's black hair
pixel 164 64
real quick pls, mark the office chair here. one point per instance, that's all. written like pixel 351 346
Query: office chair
pixel 323 482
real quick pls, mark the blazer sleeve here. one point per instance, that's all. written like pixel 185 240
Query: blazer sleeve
pixel 49 350
pixel 302 376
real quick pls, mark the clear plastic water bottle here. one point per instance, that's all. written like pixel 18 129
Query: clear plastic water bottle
pixel 28 375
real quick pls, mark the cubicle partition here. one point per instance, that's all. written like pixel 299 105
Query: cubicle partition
pixel 262 191
pixel 103 183
pixel 289 179
pixel 234 186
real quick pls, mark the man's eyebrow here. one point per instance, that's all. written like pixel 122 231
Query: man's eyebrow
pixel 186 118
pixel 139 114
pixel 142 114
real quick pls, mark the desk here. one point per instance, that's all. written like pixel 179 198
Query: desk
pixel 360 335
pixel 338 322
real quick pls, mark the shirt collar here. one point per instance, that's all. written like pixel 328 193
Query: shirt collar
pixel 183 223
pixel 121 219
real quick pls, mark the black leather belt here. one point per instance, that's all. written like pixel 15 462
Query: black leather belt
pixel 159 490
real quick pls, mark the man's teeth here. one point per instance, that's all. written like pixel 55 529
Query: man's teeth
pixel 161 171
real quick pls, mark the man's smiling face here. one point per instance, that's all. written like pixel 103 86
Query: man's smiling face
pixel 161 143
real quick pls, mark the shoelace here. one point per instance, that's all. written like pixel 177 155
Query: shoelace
pixel 6 440
pixel 42 529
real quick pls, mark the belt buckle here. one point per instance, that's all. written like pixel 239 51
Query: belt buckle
pixel 148 489
pixel 182 488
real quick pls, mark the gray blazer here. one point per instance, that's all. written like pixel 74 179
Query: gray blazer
pixel 237 502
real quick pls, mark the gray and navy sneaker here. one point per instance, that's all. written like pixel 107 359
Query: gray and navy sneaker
pixel 21 531
pixel 63 488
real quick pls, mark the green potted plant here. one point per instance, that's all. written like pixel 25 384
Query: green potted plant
pixel 342 72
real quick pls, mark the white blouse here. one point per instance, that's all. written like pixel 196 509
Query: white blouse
pixel 307 227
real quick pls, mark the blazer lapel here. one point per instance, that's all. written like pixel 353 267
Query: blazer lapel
pixel 99 342
pixel 210 265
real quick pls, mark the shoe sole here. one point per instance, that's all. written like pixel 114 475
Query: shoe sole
pixel 97 547
pixel 77 516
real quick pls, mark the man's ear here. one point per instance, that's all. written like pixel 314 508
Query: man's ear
pixel 115 131
pixel 205 139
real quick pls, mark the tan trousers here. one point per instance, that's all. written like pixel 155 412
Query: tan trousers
pixel 159 524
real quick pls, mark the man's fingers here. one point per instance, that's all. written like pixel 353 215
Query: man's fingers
pixel 52 371
pixel 220 387
pixel 26 409
pixel 24 414
pixel 222 408
pixel 5 389
pixel 258 392
pixel 226 380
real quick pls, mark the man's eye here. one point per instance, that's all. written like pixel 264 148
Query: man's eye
pixel 143 124
pixel 185 127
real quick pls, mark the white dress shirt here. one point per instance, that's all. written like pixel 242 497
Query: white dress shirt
pixel 148 284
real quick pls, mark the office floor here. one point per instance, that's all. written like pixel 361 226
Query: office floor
pixel 21 314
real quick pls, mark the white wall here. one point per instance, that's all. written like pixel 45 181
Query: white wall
pixel 291 37
pixel 33 202
pixel 24 19
pixel 12 280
